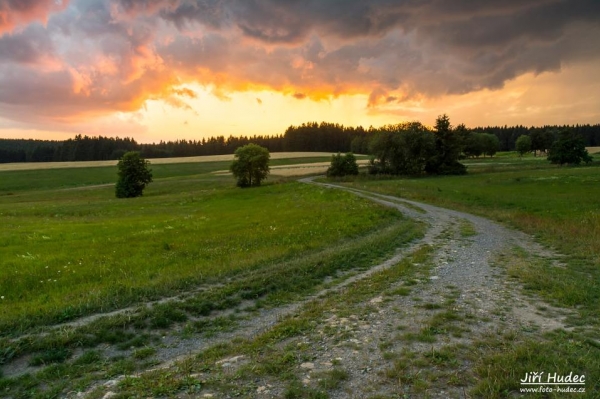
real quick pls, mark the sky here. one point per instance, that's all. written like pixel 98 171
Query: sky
pixel 187 69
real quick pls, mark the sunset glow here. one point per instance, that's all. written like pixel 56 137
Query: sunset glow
pixel 187 69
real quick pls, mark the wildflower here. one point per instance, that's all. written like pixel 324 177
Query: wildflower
pixel 2 297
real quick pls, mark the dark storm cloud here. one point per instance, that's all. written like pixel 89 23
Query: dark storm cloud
pixel 444 46
pixel 103 55
pixel 28 47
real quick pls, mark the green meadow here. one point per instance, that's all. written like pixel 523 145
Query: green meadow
pixel 12 182
pixel 69 250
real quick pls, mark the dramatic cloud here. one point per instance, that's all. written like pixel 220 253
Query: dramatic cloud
pixel 14 13
pixel 94 57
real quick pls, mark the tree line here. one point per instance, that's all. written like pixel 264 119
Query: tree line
pixel 319 137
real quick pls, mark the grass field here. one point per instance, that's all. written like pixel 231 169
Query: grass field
pixel 290 157
pixel 68 249
pixel 67 253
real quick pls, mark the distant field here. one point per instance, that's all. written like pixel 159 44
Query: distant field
pixel 154 161
pixel 13 182
pixel 299 169
pixel 593 150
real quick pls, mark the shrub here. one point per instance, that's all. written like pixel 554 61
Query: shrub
pixel 342 165
pixel 250 165
pixel 134 175
pixel 568 149
pixel 523 144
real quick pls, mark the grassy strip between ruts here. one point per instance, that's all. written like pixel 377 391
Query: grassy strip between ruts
pixel 275 284
pixel 271 354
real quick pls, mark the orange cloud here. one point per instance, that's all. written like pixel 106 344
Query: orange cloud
pixel 101 56
pixel 15 13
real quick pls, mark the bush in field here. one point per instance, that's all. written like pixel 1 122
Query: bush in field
pixel 342 165
pixel 523 144
pixel 250 165
pixel 568 149
pixel 134 175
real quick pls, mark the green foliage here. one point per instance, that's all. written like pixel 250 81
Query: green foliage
pixel 562 352
pixel 491 144
pixel 447 150
pixel 402 149
pixel 542 139
pixel 342 165
pixel 134 175
pixel 568 149
pixel 473 144
pixel 251 165
pixel 523 144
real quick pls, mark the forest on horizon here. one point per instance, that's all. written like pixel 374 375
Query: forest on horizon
pixel 308 137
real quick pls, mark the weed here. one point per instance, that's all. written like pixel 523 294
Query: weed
pixel 332 379
pixel 296 390
pixel 144 353
pixel 54 355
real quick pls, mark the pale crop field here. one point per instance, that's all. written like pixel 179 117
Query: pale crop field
pixel 297 170
pixel 593 150
pixel 155 161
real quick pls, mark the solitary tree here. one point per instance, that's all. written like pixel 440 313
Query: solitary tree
pixel 491 144
pixel 250 165
pixel 523 144
pixel 448 147
pixel 134 175
pixel 342 165
pixel 569 148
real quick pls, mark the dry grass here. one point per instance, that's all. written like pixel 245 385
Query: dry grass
pixel 301 169
pixel 593 150
pixel 156 161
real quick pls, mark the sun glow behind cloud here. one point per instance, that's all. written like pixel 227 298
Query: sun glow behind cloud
pixel 170 69
pixel 242 114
